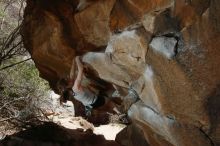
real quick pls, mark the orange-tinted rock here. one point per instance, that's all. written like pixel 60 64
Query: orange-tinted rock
pixel 139 7
pixel 45 38
pixel 120 17
pixel 167 49
pixel 53 38
pixel 93 22
pixel 189 12
pixel 129 12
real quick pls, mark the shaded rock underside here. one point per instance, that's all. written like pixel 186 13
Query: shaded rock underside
pixel 50 134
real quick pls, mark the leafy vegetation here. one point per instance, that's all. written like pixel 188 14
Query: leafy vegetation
pixel 22 80
pixel 22 91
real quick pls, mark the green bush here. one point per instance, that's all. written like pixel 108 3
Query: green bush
pixel 23 80
pixel 22 91
pixel 22 94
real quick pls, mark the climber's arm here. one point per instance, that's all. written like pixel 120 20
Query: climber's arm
pixel 77 83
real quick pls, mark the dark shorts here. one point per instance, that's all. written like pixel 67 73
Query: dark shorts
pixel 99 102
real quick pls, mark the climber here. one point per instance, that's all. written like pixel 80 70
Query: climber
pixel 82 93
pixel 89 98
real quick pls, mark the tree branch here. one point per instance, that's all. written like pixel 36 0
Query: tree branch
pixel 15 64
pixel 6 119
pixel 11 102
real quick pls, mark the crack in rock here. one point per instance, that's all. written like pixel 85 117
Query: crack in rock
pixel 167 46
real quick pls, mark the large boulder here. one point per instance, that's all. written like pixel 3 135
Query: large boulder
pixel 167 50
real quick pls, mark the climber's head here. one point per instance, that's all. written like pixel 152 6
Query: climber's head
pixel 65 90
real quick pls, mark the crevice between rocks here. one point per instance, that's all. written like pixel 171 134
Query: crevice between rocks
pixel 207 136
pixel 131 27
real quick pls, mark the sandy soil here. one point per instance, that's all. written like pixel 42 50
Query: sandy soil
pixel 64 115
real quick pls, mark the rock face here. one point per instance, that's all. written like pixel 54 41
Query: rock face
pixel 166 49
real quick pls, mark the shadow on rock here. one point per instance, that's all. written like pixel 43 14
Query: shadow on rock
pixel 50 134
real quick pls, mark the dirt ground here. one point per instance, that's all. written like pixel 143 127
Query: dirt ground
pixel 64 116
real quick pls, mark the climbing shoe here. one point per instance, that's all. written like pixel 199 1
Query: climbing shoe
pixel 88 110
